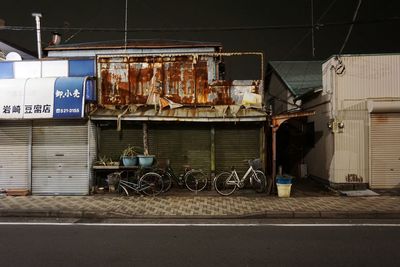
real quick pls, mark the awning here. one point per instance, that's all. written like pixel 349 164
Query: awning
pixel 188 114
pixel 39 98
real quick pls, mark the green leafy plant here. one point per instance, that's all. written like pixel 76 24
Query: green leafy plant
pixel 105 161
pixel 130 151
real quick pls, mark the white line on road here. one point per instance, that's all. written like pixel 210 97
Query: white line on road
pixel 204 224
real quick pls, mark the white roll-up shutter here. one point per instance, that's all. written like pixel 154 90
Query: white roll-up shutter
pixel 14 155
pixel 60 158
pixel 385 150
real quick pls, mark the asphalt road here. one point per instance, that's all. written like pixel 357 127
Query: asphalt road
pixel 201 245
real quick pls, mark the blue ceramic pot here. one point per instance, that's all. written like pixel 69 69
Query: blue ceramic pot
pixel 129 160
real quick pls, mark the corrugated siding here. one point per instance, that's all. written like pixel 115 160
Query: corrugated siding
pixel 182 144
pixel 351 153
pixel 234 144
pixel 60 157
pixel 385 150
pixel 92 136
pixel 369 77
pixel 113 142
pixel 14 154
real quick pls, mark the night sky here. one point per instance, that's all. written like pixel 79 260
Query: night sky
pixel 278 44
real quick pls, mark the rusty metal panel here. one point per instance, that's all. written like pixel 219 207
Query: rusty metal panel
pixel 179 84
pixel 113 81
pixel 182 79
pixel 143 78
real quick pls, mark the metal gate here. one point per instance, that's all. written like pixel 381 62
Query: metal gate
pixel 60 158
pixel 113 142
pixel 234 144
pixel 15 155
pixel 183 144
pixel 385 150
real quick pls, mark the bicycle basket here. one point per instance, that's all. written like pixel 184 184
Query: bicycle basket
pixel 256 164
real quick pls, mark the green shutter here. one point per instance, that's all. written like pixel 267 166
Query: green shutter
pixel 234 144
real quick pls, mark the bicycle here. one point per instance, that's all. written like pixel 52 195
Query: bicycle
pixel 194 179
pixel 226 183
pixel 150 184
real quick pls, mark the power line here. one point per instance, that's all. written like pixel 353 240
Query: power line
pixel 351 27
pixel 208 29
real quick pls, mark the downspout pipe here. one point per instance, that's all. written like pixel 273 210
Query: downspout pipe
pixel 38 35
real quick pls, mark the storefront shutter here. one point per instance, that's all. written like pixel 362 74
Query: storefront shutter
pixel 14 155
pixel 385 150
pixel 60 158
pixel 182 144
pixel 234 144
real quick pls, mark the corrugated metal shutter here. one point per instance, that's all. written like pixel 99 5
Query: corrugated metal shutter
pixel 14 154
pixel 92 136
pixel 113 142
pixel 183 144
pixel 60 157
pixel 234 144
pixel 385 150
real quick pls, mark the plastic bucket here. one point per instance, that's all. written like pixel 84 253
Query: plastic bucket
pixel 283 189
pixel 283 180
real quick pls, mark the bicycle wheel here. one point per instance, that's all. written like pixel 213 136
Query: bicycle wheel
pixel 122 190
pixel 225 184
pixel 151 184
pixel 166 178
pixel 259 182
pixel 195 180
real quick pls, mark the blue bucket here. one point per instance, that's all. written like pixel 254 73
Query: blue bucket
pixel 283 180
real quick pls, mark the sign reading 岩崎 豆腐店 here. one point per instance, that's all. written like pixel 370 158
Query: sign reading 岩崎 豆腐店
pixel 39 98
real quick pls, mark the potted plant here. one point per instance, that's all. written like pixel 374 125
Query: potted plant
pixel 106 161
pixel 129 156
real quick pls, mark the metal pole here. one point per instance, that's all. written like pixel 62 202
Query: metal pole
pixel 126 24
pixel 145 140
pixel 38 37
pixel 212 148
pixel 274 130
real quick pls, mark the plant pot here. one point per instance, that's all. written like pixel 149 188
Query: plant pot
pixel 129 160
pixel 146 161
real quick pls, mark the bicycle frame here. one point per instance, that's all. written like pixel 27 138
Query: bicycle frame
pixel 240 182
pixel 131 185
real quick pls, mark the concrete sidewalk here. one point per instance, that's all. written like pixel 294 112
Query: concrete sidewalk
pixel 200 206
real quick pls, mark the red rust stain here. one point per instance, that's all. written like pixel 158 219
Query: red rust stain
pixel 202 89
pixel 176 78
pixel 222 89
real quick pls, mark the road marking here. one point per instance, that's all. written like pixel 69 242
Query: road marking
pixel 204 224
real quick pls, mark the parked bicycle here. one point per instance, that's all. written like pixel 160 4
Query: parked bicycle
pixel 150 184
pixel 194 179
pixel 226 183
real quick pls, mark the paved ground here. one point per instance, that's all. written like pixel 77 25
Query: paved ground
pixel 308 200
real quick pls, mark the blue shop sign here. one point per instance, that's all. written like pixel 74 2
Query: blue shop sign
pixel 69 97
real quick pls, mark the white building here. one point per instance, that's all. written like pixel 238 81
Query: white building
pixel 357 122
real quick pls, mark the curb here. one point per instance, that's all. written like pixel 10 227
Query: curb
pixel 264 215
